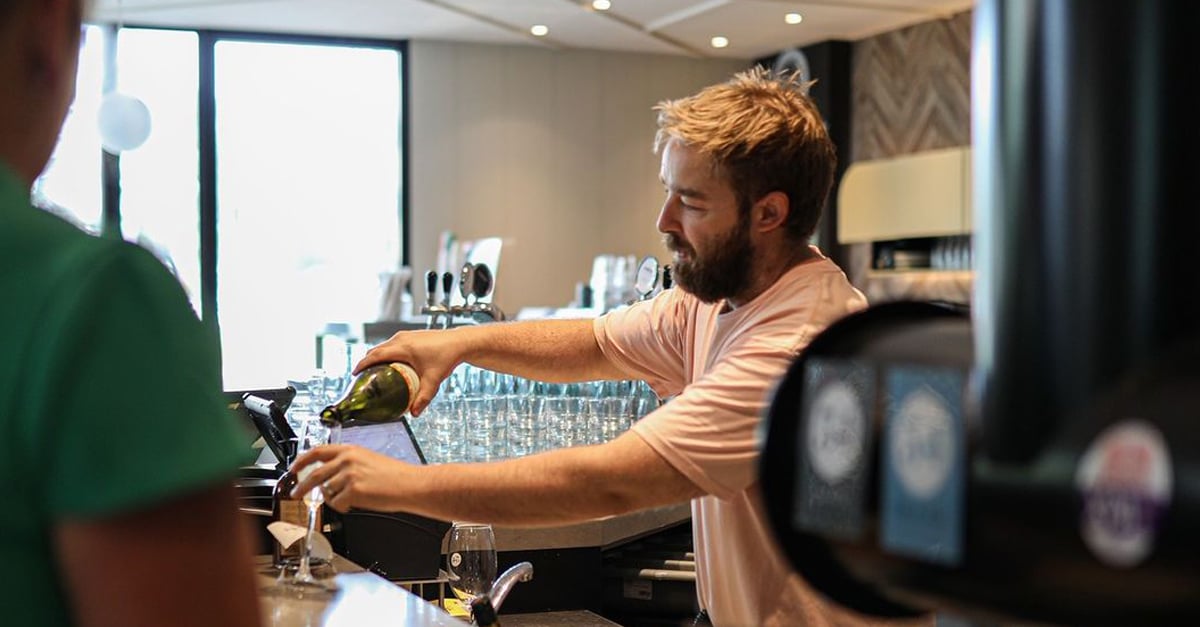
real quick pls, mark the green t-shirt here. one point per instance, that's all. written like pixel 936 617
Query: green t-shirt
pixel 110 395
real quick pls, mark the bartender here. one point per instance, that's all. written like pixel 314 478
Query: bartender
pixel 746 167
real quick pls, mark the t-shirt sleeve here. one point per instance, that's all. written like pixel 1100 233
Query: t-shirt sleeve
pixel 127 394
pixel 645 340
pixel 710 431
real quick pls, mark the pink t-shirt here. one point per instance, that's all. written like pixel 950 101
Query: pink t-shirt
pixel 723 367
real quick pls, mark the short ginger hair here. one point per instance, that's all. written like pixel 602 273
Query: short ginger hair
pixel 764 134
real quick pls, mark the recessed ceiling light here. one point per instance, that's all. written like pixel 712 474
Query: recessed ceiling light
pixel 601 5
pixel 793 18
pixel 539 30
pixel 719 42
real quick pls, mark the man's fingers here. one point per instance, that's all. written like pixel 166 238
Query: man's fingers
pixel 422 401
pixel 340 503
pixel 315 479
pixel 318 475
pixel 339 500
pixel 319 454
pixel 367 361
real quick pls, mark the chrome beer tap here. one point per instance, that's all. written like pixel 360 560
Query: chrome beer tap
pixel 431 307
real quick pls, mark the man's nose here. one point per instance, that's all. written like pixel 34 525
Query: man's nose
pixel 667 220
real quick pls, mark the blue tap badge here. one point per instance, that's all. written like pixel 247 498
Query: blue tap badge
pixel 834 442
pixel 923 464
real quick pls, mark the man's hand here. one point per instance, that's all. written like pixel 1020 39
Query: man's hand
pixel 352 476
pixel 433 354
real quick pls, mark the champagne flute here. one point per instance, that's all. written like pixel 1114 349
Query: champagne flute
pixel 470 560
pixel 313 434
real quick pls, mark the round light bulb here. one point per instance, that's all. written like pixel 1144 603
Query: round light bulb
pixel 124 122
pixel 793 18
pixel 539 30
pixel 601 5
pixel 719 42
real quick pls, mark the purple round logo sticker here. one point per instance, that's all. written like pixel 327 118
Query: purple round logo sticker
pixel 1124 480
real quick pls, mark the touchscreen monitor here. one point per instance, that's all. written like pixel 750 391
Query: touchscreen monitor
pixel 394 439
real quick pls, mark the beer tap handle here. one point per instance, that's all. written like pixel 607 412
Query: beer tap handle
pixel 447 285
pixel 431 307
pixel 431 288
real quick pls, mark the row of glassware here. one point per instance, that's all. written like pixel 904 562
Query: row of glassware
pixel 479 415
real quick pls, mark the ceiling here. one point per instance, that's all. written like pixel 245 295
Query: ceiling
pixel 754 28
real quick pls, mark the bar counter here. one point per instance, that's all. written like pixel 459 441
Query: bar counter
pixel 363 599
pixel 601 532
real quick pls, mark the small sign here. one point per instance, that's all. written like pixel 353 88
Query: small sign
pixel 834 443
pixel 923 464
pixel 1124 480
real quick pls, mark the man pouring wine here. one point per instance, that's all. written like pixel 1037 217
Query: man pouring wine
pixel 746 167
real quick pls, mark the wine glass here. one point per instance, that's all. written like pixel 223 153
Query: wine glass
pixel 470 560
pixel 313 433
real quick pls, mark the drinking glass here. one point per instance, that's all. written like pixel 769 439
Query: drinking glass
pixel 470 560
pixel 524 428
pixel 484 423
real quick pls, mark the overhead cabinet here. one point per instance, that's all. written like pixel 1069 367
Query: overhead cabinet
pixel 925 194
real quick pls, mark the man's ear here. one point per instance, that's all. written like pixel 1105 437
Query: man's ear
pixel 770 212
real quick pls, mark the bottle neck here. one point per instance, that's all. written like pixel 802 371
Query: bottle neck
pixel 330 415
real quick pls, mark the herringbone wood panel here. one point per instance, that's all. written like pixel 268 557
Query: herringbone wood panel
pixel 912 89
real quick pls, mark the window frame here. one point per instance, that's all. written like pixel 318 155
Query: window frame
pixel 207 40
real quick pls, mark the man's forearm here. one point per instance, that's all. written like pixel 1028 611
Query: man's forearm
pixel 554 488
pixel 548 350
pixel 523 492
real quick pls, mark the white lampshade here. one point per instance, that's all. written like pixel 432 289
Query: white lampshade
pixel 124 122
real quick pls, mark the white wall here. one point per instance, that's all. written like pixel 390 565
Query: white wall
pixel 552 151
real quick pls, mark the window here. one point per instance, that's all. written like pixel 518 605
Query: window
pixel 160 181
pixel 306 176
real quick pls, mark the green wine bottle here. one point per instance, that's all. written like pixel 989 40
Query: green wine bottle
pixel 381 393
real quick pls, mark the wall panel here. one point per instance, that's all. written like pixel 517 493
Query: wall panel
pixel 549 150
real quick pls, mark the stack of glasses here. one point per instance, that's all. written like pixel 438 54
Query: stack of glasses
pixel 479 415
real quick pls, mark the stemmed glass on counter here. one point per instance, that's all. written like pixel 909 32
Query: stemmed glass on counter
pixel 313 433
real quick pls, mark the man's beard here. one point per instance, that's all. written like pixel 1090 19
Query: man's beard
pixel 721 273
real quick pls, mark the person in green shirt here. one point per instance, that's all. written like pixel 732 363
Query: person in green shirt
pixel 116 449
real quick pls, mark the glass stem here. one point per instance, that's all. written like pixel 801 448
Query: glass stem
pixel 303 573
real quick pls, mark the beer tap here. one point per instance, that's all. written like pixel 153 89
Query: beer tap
pixel 647 280
pixel 447 283
pixel 431 307
pixel 479 283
